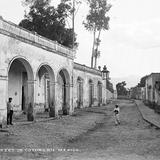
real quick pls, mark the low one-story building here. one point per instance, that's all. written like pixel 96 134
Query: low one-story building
pixel 41 75
pixel 152 88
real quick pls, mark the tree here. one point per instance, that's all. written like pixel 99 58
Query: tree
pixel 49 21
pixel 121 90
pixel 96 21
pixel 142 81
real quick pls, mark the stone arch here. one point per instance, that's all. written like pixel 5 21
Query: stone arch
pixel 26 63
pixel 99 92
pixel 91 92
pixel 21 85
pixel 45 79
pixel 63 79
pixel 80 82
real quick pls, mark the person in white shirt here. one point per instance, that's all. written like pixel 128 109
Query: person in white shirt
pixel 9 111
pixel 116 114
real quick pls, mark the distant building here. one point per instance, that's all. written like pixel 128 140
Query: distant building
pixel 115 94
pixel 151 92
pixel 152 88
pixel 137 93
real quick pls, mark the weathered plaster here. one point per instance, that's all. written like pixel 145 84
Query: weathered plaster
pixel 21 50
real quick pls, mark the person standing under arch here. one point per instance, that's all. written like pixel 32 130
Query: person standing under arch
pixel 9 111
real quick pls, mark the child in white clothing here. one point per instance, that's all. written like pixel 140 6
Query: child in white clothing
pixel 116 114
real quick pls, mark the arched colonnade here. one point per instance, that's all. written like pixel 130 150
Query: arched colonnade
pixel 30 87
pixel 91 87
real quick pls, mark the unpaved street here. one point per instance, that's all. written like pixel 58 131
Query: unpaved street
pixel 134 139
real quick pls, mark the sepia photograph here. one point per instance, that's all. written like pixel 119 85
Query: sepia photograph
pixel 79 80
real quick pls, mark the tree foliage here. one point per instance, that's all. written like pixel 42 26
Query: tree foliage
pixel 142 81
pixel 49 21
pixel 96 21
pixel 121 89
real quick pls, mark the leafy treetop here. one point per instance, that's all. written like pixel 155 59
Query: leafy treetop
pixel 48 21
pixel 96 21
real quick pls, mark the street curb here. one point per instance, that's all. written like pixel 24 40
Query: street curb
pixel 143 116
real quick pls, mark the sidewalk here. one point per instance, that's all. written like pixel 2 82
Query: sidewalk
pixel 148 114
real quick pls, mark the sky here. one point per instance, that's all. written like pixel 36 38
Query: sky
pixel 131 46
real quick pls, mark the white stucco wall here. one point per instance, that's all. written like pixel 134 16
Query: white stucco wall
pixel 31 52
pixel 34 51
pixel 150 81
pixel 109 95
pixel 40 90
pixel 86 76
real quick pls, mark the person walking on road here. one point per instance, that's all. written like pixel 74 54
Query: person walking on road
pixel 116 114
pixel 9 111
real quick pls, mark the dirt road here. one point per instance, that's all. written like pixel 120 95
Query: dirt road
pixel 134 139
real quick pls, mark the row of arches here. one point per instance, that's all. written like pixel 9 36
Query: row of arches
pixel 91 96
pixel 28 89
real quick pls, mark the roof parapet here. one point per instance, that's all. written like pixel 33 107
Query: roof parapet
pixel 13 30
pixel 85 68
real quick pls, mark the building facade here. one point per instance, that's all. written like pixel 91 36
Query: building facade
pixel 137 93
pixel 41 75
pixel 152 89
pixel 89 88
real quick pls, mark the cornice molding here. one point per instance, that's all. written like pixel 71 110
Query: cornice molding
pixel 87 69
pixel 12 30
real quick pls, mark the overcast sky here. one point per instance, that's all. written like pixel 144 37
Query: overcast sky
pixel 130 47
